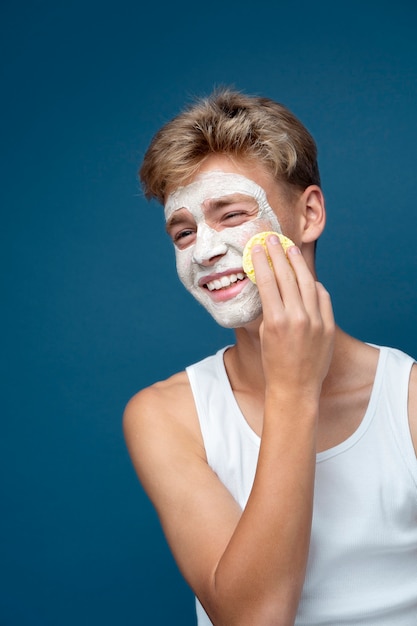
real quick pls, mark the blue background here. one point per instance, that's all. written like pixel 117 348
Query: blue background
pixel 91 307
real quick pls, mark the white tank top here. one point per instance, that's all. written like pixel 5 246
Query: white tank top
pixel 362 566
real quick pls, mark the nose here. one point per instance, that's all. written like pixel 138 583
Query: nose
pixel 208 245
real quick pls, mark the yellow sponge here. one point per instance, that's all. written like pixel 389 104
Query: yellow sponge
pixel 260 238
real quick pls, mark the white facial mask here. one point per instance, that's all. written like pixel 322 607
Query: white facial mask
pixel 219 252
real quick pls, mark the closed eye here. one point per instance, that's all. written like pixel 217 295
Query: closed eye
pixel 236 218
pixel 231 210
pixel 234 214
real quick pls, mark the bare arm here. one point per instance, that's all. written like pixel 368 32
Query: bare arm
pixel 246 567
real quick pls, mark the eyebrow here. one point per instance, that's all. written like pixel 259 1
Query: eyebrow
pixel 175 219
pixel 216 204
pixel 210 204
pixel 229 199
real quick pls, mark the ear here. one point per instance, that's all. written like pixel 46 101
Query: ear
pixel 313 212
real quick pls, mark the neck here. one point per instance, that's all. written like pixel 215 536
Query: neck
pixel 244 361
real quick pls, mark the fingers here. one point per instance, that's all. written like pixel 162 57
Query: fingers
pixel 266 278
pixel 302 284
pixel 297 317
pixel 288 276
pixel 289 284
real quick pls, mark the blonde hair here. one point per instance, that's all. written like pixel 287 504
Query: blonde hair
pixel 232 123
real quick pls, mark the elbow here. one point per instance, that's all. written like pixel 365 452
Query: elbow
pixel 276 610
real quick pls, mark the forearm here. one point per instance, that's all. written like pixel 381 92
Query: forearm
pixel 260 575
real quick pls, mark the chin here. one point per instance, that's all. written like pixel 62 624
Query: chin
pixel 237 319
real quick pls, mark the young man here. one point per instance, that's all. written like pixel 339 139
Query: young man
pixel 283 468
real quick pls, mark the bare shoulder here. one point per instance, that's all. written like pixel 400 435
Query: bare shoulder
pixel 159 416
pixel 412 405
pixel 169 400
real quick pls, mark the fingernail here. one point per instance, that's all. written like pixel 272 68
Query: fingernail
pixel 273 239
pixel 294 250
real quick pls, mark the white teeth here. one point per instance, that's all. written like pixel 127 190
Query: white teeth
pixel 224 281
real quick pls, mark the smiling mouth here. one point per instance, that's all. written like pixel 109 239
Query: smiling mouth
pixel 224 281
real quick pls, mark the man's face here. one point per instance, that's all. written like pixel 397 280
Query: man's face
pixel 210 220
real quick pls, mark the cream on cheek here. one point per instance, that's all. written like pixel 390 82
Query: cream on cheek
pixel 245 306
pixel 194 263
pixel 227 245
